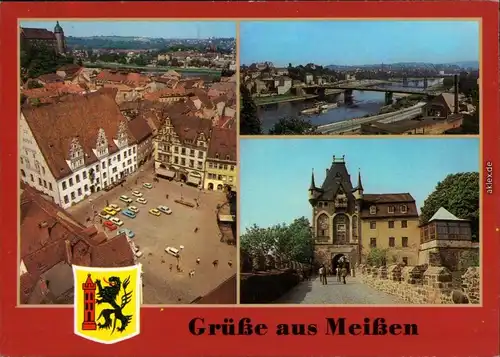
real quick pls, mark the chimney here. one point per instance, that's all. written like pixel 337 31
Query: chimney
pixel 69 253
pixel 455 91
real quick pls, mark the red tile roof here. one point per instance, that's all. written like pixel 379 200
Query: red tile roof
pixel 79 116
pixel 37 34
pixel 190 127
pixel 135 79
pixel 50 78
pixel 222 144
pixel 140 129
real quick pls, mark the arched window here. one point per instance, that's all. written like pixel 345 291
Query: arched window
pixel 323 226
pixel 341 229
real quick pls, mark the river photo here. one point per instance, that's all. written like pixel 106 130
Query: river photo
pixel 364 103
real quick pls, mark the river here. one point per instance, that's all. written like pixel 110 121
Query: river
pixel 365 103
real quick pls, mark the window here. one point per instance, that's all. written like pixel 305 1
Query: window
pixel 43 170
pixel 391 224
pixel 79 192
pixel 73 195
pixel 125 155
pixel 84 175
pixel 216 156
pixel 86 187
pixel 64 185
pixel 392 242
pixel 232 168
pixel 109 161
pixel 21 161
pixel 403 208
pixel 200 154
pixel 103 175
pixel 373 242
pixel 44 183
pixel 118 157
pixel 404 242
pixel 183 161
pixel 66 200
pixel 191 163
pixel 77 177
pixel 176 149
pixel 390 209
pixel 405 260
pixel 115 169
pixel 373 225
pixel 103 165
pixel 373 209
pixel 404 224
pixel 123 165
pixel 40 181
pixel 70 182
pixel 50 186
pixel 130 151
pixel 176 159
pixel 129 161
pixel 32 178
pixel 183 151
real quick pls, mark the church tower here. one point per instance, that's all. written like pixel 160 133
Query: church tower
pixel 313 191
pixel 61 42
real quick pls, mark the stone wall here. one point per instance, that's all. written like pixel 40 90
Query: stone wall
pixel 266 287
pixel 422 284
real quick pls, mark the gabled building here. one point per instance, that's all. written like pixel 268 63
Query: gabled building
pixel 36 37
pixel 181 148
pixel 74 147
pixel 347 223
pixel 221 164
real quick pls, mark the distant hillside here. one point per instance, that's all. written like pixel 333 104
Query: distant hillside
pixel 411 65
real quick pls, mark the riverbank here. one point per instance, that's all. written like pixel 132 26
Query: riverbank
pixel 259 101
pixel 110 65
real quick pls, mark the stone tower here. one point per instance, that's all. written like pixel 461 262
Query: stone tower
pixel 61 42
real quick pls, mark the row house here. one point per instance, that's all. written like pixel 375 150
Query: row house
pixel 168 95
pixel 220 166
pixel 181 149
pixel 144 137
pixel 89 146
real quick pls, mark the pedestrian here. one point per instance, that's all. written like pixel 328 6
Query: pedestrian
pixel 338 273
pixel 343 272
pixel 196 229
pixel 171 267
pixel 167 196
pixel 230 263
pixel 321 272
pixel 325 272
pixel 198 261
pixel 215 263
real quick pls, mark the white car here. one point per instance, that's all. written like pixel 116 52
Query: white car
pixel 104 215
pixel 138 254
pixel 164 209
pixel 125 199
pixel 172 251
pixel 142 200
pixel 115 207
pixel 133 209
pixel 116 221
pixel 136 193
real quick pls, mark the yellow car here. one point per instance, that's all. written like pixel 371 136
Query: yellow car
pixel 109 211
pixel 114 207
pixel 154 212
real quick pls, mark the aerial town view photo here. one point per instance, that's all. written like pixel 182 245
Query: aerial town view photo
pixel 377 221
pixel 128 156
pixel 372 79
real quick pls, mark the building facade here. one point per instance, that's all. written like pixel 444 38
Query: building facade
pixel 181 148
pixel 72 161
pixel 221 170
pixel 35 37
pixel 347 223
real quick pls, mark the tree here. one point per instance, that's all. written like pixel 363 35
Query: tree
pixel 249 121
pixel 459 194
pixel 79 62
pixel 377 257
pixel 292 126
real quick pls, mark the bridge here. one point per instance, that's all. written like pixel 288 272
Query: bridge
pixel 355 124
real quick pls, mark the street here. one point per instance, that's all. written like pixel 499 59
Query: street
pixel 163 283
pixel 352 293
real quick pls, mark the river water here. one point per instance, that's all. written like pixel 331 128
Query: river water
pixel 365 103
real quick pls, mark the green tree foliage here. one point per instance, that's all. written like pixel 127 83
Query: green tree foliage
pixel 459 194
pixel 292 126
pixel 290 242
pixel 377 257
pixel 40 60
pixel 249 121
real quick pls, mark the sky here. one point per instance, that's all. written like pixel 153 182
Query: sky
pixel 276 173
pixel 154 29
pixel 358 42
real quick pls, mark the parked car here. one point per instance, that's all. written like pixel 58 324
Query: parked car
pixel 133 209
pixel 128 213
pixel 115 207
pixel 147 185
pixel 138 254
pixel 104 215
pixel 154 212
pixel 130 234
pixel 136 193
pixel 116 221
pixel 164 209
pixel 109 211
pixel 110 225
pixel 125 199
pixel 142 200
pixel 172 251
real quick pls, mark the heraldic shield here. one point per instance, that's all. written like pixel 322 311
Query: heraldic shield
pixel 107 303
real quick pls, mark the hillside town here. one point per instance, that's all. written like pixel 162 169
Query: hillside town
pixel 120 167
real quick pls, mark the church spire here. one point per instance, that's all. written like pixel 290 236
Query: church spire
pixel 313 184
pixel 360 185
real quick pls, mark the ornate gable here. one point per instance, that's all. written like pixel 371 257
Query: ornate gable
pixel 101 143
pixel 122 135
pixel 76 156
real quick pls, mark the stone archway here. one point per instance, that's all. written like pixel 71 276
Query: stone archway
pixel 340 260
pixel 219 187
pixel 210 186
pixel 183 177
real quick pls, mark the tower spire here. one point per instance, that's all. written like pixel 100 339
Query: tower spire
pixel 313 184
pixel 360 185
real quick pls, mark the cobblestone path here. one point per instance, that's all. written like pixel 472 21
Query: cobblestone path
pixel 353 293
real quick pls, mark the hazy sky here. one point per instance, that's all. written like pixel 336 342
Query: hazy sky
pixel 276 173
pixel 163 29
pixel 358 42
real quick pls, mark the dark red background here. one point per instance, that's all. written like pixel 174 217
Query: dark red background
pixel 444 331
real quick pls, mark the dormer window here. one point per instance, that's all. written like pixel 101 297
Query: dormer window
pixel 403 208
pixel 76 157
pixel 390 209
pixel 227 157
pixel 373 210
pixel 101 143
pixel 216 156
pixel 122 136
